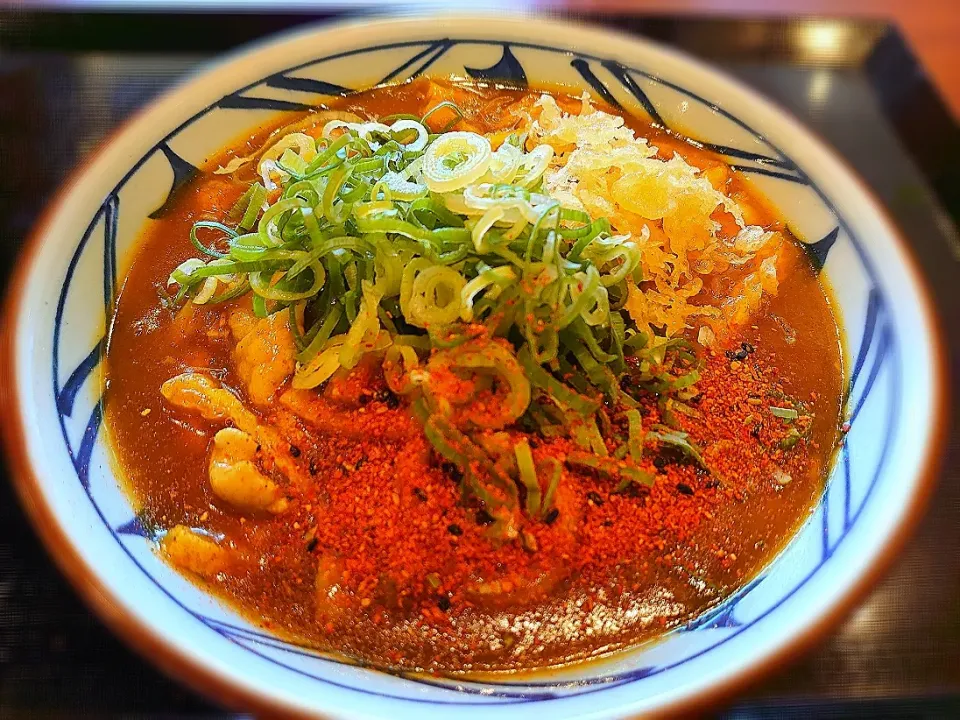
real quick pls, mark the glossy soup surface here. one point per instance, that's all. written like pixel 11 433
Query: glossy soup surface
pixel 420 586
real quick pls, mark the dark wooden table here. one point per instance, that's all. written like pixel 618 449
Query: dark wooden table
pixel 67 80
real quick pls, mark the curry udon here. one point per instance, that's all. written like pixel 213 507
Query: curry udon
pixel 460 378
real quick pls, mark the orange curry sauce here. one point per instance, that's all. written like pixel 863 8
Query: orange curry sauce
pixel 374 513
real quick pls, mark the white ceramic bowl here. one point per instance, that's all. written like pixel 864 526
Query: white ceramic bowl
pixel 55 324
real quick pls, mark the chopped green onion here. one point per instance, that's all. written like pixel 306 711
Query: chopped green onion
pixel 679 441
pixel 790 439
pixel 449 262
pixel 635 441
pixel 210 250
pixel 450 106
pixel 528 476
pixel 463 452
pixel 556 471
pixel 784 413
pixel 610 467
pixel 559 392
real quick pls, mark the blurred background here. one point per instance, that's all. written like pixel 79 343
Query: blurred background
pixel 878 79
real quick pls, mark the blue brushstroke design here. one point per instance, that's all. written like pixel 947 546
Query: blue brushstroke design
pixel 61 306
pixel 621 73
pixel 87 443
pixel 110 212
pixel 522 692
pixel 720 617
pixel 68 394
pixel 818 251
pixel 461 689
pixel 245 637
pixel 583 67
pixel 869 330
pixel 789 177
pixel 882 345
pixel 507 69
pixel 253 633
pixel 825 551
pixel 730 151
pixel 307 85
pixel 429 56
pixel 183 172
pixel 243 102
pixel 133 527
pixel 847 485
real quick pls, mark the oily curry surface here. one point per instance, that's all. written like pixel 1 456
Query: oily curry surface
pixel 373 552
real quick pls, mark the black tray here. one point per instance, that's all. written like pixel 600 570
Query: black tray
pixel 66 80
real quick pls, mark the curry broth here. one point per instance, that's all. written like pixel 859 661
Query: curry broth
pixel 667 578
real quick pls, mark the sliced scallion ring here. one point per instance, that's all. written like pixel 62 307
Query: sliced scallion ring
pixel 401 188
pixel 504 164
pixel 435 297
pixel 535 163
pixel 422 134
pixel 455 160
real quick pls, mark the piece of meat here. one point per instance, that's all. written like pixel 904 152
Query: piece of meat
pixel 194 552
pixel 201 394
pixel 327 418
pixel 241 321
pixel 265 354
pixel 234 475
pixel 348 387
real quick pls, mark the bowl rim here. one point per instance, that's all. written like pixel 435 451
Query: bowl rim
pixel 201 677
